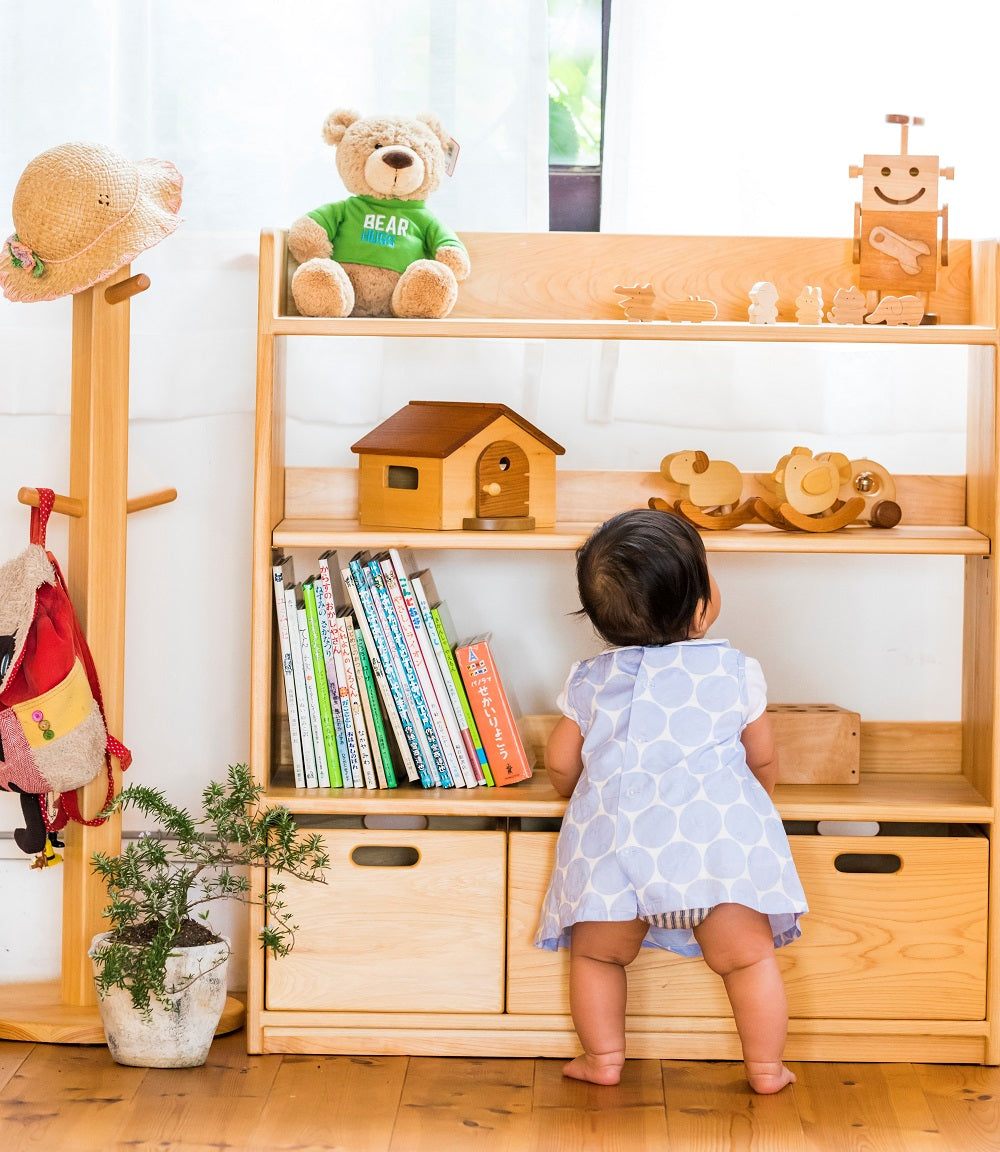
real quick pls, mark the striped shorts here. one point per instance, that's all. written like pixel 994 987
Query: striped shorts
pixel 683 918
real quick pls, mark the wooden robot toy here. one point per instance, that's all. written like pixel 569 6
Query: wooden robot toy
pixel 897 219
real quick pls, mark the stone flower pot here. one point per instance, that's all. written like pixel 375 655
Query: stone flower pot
pixel 181 1036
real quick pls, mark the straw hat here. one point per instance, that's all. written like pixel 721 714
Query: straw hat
pixel 81 212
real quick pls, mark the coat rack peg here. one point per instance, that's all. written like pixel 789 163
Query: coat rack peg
pixel 151 500
pixel 67 505
pixel 125 289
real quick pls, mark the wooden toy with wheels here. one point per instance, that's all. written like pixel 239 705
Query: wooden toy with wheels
pixel 877 489
pixel 710 491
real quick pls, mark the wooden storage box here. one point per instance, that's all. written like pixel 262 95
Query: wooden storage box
pixel 817 743
pixel 876 944
pixel 660 984
pixel 409 921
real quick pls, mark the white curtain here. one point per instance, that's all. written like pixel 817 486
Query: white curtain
pixel 744 119
pixel 739 119
pixel 234 92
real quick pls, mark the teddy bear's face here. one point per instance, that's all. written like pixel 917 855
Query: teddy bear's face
pixel 390 158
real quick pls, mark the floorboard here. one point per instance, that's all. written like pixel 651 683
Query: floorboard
pixel 77 1099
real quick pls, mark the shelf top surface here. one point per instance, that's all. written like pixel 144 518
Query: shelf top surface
pixel 861 539
pixel 502 328
pixel 917 797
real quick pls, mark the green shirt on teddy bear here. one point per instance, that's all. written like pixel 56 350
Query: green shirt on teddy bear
pixel 382 233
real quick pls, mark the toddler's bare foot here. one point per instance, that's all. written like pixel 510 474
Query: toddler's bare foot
pixel 766 1078
pixel 605 1068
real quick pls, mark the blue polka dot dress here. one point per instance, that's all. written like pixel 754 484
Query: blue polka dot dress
pixel 666 817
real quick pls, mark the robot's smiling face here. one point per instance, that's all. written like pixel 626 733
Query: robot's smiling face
pixel 900 183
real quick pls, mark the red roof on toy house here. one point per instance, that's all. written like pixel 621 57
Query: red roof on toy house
pixel 436 428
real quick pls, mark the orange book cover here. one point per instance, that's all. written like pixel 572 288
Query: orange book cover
pixel 492 710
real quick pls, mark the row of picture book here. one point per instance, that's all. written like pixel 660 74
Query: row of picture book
pixel 378 691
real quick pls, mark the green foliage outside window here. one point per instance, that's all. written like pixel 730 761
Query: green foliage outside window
pixel 575 82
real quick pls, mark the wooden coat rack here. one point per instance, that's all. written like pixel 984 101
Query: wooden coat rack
pixel 65 1011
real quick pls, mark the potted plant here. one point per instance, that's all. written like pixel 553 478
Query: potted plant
pixel 160 969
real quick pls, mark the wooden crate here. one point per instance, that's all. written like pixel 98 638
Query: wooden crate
pixel 409 921
pixel 817 743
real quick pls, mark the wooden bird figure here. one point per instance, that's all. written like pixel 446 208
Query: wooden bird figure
pixel 807 493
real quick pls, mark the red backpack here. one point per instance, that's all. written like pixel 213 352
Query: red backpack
pixel 53 734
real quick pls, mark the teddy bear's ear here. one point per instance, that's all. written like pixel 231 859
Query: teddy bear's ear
pixel 434 124
pixel 337 123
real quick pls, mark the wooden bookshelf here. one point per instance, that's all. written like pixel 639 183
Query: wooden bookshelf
pixel 936 783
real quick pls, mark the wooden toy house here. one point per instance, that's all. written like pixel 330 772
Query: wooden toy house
pixel 449 465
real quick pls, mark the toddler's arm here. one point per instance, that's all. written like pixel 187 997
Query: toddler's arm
pixel 762 756
pixel 562 756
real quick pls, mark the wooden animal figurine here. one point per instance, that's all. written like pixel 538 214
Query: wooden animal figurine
pixel 692 309
pixel 809 305
pixel 896 221
pixel 639 301
pixel 897 310
pixel 807 493
pixel 763 303
pixel 710 491
pixel 877 489
pixel 849 306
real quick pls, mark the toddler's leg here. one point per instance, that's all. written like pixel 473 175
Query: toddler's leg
pixel 599 953
pixel 737 944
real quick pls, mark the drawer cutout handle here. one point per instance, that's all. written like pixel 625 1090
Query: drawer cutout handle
pixel 384 856
pixel 868 863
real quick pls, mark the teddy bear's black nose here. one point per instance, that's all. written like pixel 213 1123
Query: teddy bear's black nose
pixel 396 158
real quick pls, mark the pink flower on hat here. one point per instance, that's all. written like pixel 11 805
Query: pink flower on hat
pixel 21 256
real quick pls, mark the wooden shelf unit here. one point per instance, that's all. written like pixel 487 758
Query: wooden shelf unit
pixel 941 994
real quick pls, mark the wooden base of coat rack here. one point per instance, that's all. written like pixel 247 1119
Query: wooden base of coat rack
pixel 65 1011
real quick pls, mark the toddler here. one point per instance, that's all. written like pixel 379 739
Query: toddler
pixel 670 839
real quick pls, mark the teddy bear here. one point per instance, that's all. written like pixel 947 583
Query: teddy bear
pixel 380 252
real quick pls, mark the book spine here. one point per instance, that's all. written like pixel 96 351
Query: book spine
pixel 408 617
pixel 327 615
pixel 298 670
pixel 494 715
pixel 334 777
pixel 342 656
pixel 365 767
pixel 459 683
pixel 451 707
pixel 431 749
pixel 281 571
pixel 385 652
pixel 371 758
pixel 388 709
pixel 312 699
pixel 387 772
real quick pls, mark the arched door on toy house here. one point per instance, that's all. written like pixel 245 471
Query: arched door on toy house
pixel 502 485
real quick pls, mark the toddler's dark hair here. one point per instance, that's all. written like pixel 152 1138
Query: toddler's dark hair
pixel 642 576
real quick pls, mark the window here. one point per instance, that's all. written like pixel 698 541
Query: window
pixel 578 49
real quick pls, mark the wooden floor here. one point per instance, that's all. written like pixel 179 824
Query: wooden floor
pixel 57 1098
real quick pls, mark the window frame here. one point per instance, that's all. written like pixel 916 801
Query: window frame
pixel 575 189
